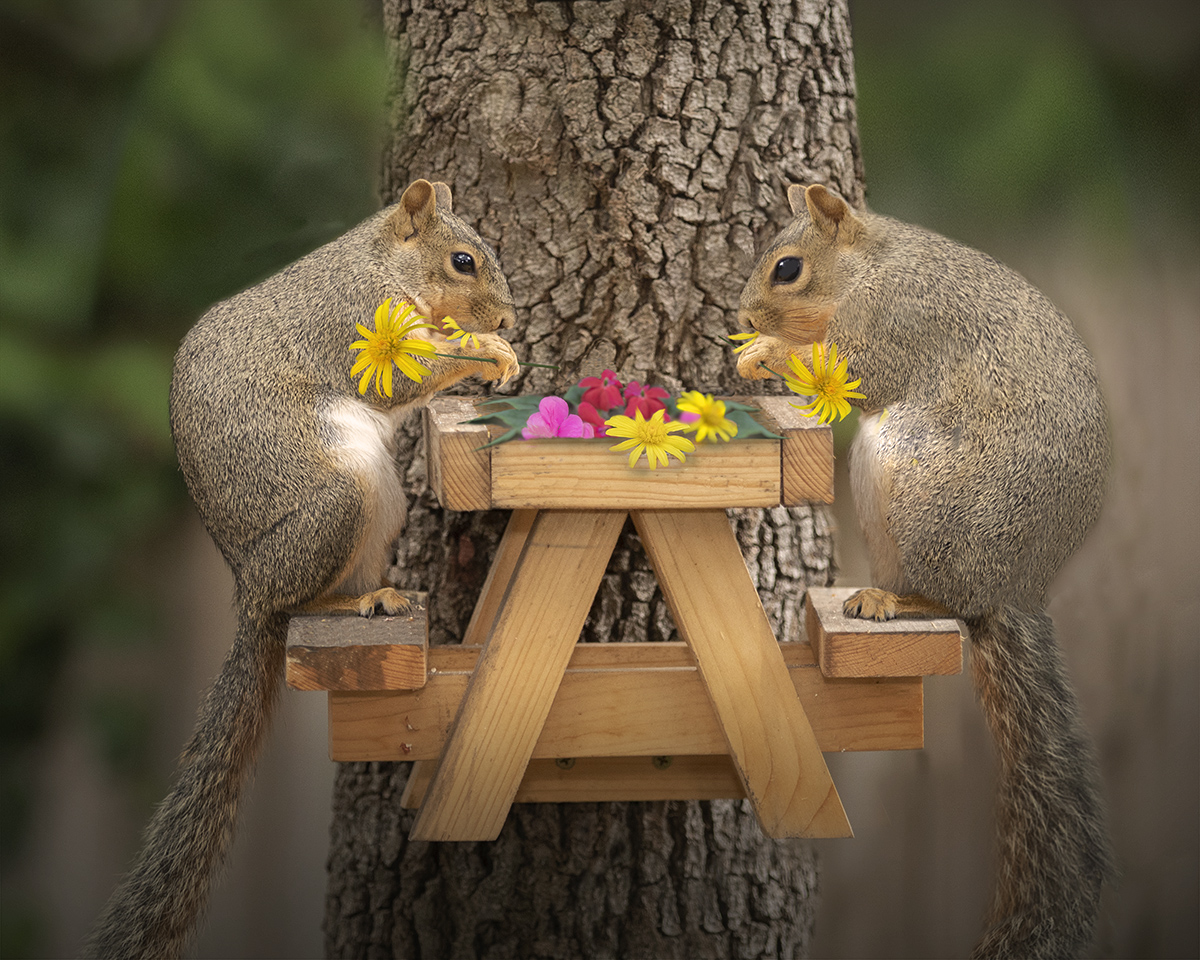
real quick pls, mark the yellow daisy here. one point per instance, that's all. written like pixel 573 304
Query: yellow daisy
pixel 748 337
pixel 466 336
pixel 653 436
pixel 712 420
pixel 390 343
pixel 826 384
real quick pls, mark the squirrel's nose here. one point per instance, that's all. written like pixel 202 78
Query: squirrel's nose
pixel 508 316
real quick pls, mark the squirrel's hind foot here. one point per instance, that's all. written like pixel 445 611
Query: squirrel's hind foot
pixel 875 604
pixel 388 599
pixel 871 604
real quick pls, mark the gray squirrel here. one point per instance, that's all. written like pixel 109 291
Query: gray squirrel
pixel 295 477
pixel 980 464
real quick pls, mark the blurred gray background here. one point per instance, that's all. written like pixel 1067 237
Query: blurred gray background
pixel 158 156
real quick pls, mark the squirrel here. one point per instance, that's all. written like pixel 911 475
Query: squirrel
pixel 979 465
pixel 295 477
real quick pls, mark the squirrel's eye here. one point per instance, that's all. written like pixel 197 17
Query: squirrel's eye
pixel 463 263
pixel 787 270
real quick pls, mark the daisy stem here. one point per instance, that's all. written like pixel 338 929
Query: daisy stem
pixel 524 363
pixel 769 370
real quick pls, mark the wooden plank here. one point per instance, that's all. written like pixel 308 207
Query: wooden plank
pixel 807 455
pixel 504 563
pixel 518 674
pixel 623 700
pixel 708 589
pixel 609 779
pixel 459 473
pixel 586 474
pixel 349 652
pixel 850 647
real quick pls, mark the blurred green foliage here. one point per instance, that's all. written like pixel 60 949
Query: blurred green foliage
pixel 155 156
pixel 999 122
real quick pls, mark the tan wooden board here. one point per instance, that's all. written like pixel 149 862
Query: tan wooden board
pixel 718 613
pixel 504 564
pixel 609 779
pixel 850 647
pixel 459 471
pixel 586 474
pixel 518 674
pixel 349 652
pixel 626 699
pixel 807 454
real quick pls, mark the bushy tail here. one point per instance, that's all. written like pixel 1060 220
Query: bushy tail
pixel 1054 853
pixel 153 912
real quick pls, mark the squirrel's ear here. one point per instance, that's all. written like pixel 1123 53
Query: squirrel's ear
pixel 444 196
pixel 415 209
pixel 796 199
pixel 830 213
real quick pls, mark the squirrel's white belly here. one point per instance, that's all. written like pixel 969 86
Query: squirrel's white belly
pixel 870 482
pixel 363 440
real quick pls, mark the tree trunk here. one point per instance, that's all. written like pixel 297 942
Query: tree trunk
pixel 627 160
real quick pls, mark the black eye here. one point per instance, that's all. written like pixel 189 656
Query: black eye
pixel 463 263
pixel 787 270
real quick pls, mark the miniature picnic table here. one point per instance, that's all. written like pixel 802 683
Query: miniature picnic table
pixel 523 712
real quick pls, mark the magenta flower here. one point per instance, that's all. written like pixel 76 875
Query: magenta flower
pixel 554 419
pixel 602 392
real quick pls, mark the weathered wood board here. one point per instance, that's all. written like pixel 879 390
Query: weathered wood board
pixel 850 647
pixel 349 652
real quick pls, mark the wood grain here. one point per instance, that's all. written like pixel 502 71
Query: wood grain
pixel 459 472
pixel 718 613
pixel 609 779
pixel 643 699
pixel 518 674
pixel 504 564
pixel 349 652
pixel 586 474
pixel 850 647
pixel 807 452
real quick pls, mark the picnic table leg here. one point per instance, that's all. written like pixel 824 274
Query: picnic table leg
pixel 538 621
pixel 718 612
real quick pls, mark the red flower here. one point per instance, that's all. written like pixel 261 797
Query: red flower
pixel 602 392
pixel 646 399
pixel 589 414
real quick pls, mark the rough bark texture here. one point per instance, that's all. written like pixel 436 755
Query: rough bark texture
pixel 627 160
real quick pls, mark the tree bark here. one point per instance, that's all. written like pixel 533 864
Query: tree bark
pixel 627 160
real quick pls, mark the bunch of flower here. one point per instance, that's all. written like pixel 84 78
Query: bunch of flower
pixel 644 418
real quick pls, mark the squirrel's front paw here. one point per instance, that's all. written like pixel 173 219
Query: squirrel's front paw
pixel 871 604
pixel 497 348
pixel 753 361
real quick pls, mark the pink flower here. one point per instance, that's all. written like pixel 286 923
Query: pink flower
pixel 602 392
pixel 593 418
pixel 554 419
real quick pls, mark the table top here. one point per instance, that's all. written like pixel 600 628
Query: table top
pixel 586 474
